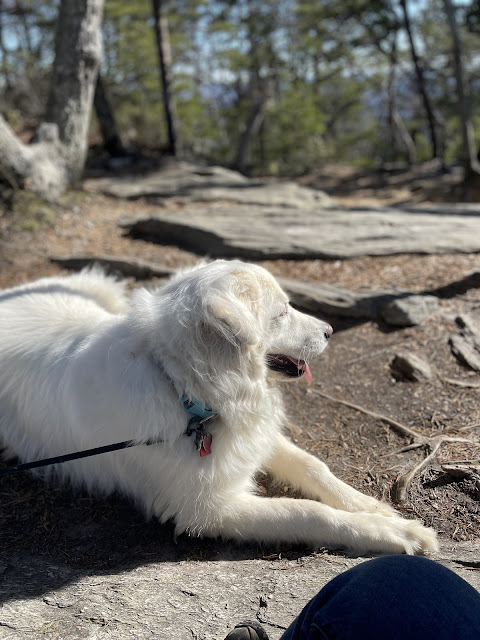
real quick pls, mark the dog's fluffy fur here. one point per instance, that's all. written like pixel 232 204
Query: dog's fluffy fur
pixel 81 367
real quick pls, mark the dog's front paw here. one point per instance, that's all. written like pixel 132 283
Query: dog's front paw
pixel 416 537
pixel 394 535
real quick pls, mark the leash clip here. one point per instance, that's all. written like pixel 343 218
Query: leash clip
pixel 203 439
pixel 201 414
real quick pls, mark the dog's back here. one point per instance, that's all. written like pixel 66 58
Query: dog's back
pixel 90 284
pixel 53 305
pixel 41 324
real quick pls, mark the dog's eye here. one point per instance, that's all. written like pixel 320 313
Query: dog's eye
pixel 284 312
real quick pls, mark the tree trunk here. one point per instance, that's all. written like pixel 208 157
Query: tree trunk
pixel 470 160
pixel 106 119
pixel 77 57
pixel 39 167
pixel 56 158
pixel 165 59
pixel 252 128
pixel 421 82
pixel 397 126
pixel 4 52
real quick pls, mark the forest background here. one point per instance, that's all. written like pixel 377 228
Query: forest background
pixel 268 87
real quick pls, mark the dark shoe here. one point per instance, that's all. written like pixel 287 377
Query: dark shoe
pixel 247 631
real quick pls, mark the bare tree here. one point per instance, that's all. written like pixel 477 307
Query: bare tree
pixel 386 43
pixel 470 160
pixel 421 82
pixel 262 63
pixel 473 25
pixel 4 51
pixel 397 125
pixel 165 58
pixel 106 120
pixel 259 102
pixel 56 157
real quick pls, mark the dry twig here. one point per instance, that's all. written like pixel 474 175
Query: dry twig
pixel 431 444
pixel 462 383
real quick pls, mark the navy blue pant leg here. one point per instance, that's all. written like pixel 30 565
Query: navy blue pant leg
pixel 391 598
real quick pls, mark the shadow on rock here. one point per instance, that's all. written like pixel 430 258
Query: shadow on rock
pixel 52 536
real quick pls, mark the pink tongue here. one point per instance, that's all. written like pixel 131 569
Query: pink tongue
pixel 304 366
pixel 308 373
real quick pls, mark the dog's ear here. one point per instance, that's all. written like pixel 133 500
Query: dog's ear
pixel 234 320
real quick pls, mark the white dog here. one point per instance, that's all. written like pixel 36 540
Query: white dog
pixel 80 368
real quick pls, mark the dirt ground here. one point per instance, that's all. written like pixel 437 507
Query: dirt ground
pixel 79 530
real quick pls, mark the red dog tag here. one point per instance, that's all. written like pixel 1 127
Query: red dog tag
pixel 206 446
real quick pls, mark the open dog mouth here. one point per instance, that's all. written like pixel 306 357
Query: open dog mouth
pixel 290 367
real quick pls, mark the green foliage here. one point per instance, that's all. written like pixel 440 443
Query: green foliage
pixel 295 148
pixel 29 212
pixel 316 72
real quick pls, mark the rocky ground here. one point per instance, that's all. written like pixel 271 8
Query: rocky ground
pixel 73 566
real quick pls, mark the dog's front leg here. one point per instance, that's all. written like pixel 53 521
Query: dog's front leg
pixel 314 479
pixel 277 520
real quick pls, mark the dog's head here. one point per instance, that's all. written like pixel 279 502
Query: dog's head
pixel 231 310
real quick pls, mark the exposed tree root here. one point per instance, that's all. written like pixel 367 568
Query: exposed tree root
pixel 431 444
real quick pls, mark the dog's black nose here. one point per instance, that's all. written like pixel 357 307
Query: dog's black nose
pixel 328 332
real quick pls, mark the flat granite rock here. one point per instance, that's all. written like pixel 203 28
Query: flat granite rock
pixel 115 265
pixel 256 233
pixel 328 299
pixel 174 600
pixel 278 194
pixel 192 183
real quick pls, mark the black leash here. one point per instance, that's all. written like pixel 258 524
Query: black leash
pixel 195 426
pixel 17 468
pixel 200 415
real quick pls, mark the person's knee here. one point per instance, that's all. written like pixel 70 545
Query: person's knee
pixel 402 565
pixel 392 597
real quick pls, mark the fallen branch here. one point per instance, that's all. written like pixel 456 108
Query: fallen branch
pixel 462 383
pixel 397 426
pixel 470 426
pixel 431 444
pixel 402 483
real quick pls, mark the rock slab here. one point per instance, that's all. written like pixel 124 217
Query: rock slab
pixel 116 265
pixel 186 182
pixel 256 233
pixel 173 600
pixel 330 300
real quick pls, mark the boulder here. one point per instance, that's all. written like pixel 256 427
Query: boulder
pixel 330 300
pixel 469 329
pixel 410 366
pixel 409 311
pixel 465 352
